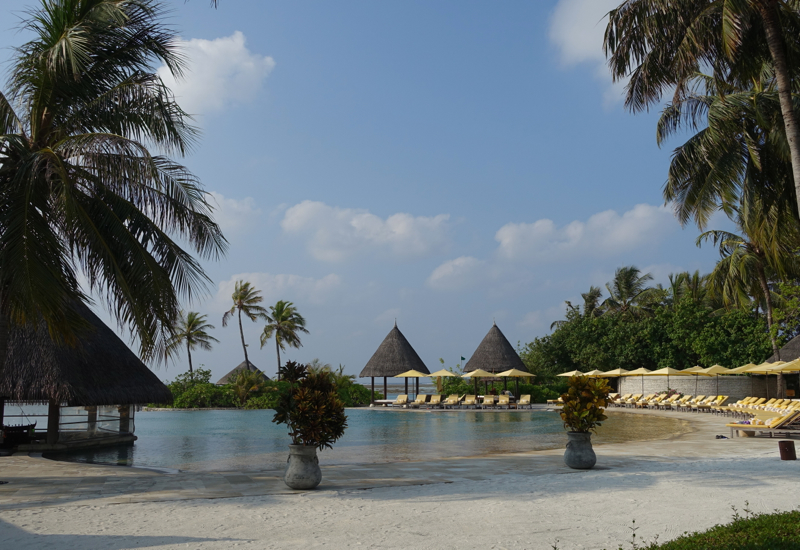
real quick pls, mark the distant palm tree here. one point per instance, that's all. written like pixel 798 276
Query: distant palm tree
pixel 591 301
pixel 245 300
pixel 285 324
pixel 628 292
pixel 192 329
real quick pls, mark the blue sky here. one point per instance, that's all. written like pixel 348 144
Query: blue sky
pixel 442 163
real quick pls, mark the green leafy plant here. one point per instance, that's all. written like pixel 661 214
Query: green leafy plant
pixel 312 409
pixel 584 403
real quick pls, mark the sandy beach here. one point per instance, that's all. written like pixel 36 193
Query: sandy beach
pixel 524 500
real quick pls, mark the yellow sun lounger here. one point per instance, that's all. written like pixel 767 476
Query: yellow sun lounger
pixel 470 401
pixel 452 400
pixel 401 400
pixel 789 423
pixel 504 401
pixel 420 400
pixel 524 400
pixel 488 401
pixel 436 401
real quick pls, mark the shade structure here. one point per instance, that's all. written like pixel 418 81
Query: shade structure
pixel 791 366
pixel 515 373
pixel 743 369
pixel 394 356
pixel 715 371
pixel 614 373
pixel 244 365
pixel 765 368
pixel 669 371
pixel 99 370
pixel 441 373
pixel 640 372
pixel 571 373
pixel 476 374
pixel 412 374
pixel 495 354
pixel 594 373
pixel 695 368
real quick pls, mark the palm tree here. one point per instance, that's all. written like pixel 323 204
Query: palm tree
pixel 591 301
pixel 661 44
pixel 285 324
pixel 192 329
pixel 81 191
pixel 765 249
pixel 245 300
pixel 628 292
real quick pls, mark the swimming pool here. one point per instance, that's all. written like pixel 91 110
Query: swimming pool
pixel 248 440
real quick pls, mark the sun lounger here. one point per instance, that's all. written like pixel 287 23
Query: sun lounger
pixel 678 403
pixel 400 401
pixel 789 423
pixel 653 402
pixel 558 401
pixel 435 401
pixel 504 401
pixel 667 403
pixel 524 401
pixel 488 401
pixel 470 401
pixel 718 402
pixel 619 401
pixel 420 400
pixel 632 402
pixel 451 401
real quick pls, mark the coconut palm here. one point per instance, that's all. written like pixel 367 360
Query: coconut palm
pixel 82 193
pixel 192 329
pixel 628 292
pixel 764 250
pixel 247 384
pixel 285 324
pixel 661 44
pixel 245 301
pixel 591 301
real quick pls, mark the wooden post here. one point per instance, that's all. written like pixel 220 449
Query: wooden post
pixel 385 389
pixel 53 419
pixel 92 420
pixel 373 390
pixel 417 392
pixel 406 386
pixel 124 418
pixel 2 410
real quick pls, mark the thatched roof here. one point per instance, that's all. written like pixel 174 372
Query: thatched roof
pixel 789 352
pixel 495 354
pixel 231 376
pixel 100 370
pixel 394 356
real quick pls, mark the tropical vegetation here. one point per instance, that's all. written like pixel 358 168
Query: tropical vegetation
pixel 191 330
pixel 245 302
pixel 584 404
pixel 84 196
pixel 285 324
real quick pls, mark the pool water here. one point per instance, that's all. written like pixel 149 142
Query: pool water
pixel 248 440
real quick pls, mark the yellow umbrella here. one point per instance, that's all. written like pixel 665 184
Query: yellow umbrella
pixel 715 371
pixel 791 366
pixel 641 371
pixel 766 369
pixel 442 373
pixel 594 373
pixel 478 373
pixel 516 374
pixel 668 371
pixel 412 374
pixel 614 373
pixel 696 368
pixel 571 373
pixel 743 369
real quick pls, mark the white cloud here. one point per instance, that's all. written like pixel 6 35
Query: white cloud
pixel 335 234
pixel 602 235
pixel 234 216
pixel 576 29
pixel 293 288
pixel 458 274
pixel 220 73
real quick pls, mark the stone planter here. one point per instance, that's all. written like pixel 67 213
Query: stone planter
pixel 302 468
pixel 579 454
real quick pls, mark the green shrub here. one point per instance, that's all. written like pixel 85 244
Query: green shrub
pixel 355 395
pixel 269 395
pixel 584 403
pixel 205 395
pixel 780 531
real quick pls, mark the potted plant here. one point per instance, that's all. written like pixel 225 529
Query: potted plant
pixel 582 413
pixel 315 417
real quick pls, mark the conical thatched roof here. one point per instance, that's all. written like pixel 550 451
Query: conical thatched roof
pixel 231 376
pixel 394 356
pixel 100 370
pixel 789 352
pixel 495 354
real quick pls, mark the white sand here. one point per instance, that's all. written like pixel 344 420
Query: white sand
pixel 592 509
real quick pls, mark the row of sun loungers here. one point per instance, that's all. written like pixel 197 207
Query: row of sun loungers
pixel 468 401
pixel 699 403
pixel 787 424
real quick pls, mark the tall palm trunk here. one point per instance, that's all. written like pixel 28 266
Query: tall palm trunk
pixel 189 354
pixel 3 352
pixel 241 333
pixel 278 349
pixel 777 49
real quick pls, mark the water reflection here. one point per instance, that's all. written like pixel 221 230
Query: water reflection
pixel 248 440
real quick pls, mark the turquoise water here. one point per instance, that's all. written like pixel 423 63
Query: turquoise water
pixel 248 440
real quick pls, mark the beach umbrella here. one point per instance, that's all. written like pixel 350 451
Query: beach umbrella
pixel 668 371
pixel 571 373
pixel 791 366
pixel 444 373
pixel 412 374
pixel 744 369
pixel 476 374
pixel 614 373
pixel 516 374
pixel 695 368
pixel 766 369
pixel 638 372
pixel 594 373
pixel 715 371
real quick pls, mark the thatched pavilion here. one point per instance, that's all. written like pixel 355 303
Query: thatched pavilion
pixel 495 354
pixel 394 356
pixel 89 388
pixel 244 365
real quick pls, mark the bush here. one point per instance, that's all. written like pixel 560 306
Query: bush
pixel 780 531
pixel 269 395
pixel 355 395
pixel 205 395
pixel 584 403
